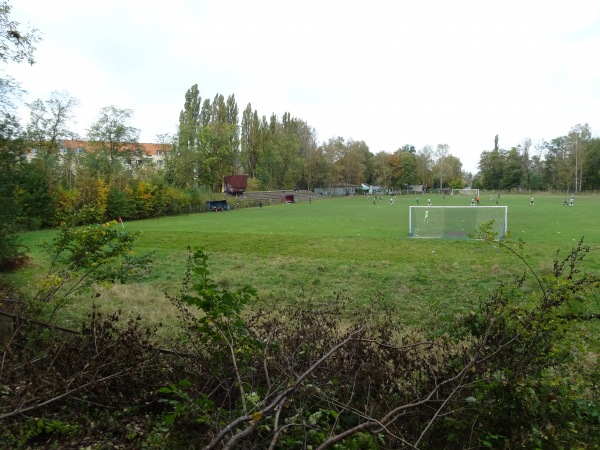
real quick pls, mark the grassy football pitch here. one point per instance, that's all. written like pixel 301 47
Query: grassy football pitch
pixel 351 247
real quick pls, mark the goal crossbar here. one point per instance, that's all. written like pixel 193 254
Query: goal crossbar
pixel 466 191
pixel 456 222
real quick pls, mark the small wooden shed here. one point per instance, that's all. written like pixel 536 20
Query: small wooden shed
pixel 235 184
pixel 217 205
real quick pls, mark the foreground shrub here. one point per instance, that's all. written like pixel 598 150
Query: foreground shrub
pixel 508 374
pixel 303 376
pixel 93 255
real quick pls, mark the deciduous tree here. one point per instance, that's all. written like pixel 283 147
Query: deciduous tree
pixel 403 168
pixel 441 153
pixel 249 151
pixel 424 162
pixel 577 143
pixel 353 162
pixel 334 150
pixel 526 162
pixel 218 141
pixel 556 168
pixel 116 142
pixel 182 166
pixel 382 169
pixel 16 44
pixel 490 168
pixel 512 170
pixel 50 121
pixel 11 157
pixel 10 92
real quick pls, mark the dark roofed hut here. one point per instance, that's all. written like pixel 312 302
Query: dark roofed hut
pixel 235 184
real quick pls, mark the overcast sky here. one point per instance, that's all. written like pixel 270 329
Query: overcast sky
pixel 386 72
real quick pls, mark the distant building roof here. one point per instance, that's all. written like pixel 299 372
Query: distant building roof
pixel 149 149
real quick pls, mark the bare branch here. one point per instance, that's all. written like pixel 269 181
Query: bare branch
pixel 281 396
pixel 22 410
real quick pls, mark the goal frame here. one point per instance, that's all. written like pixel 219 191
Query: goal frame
pixel 411 231
pixel 472 192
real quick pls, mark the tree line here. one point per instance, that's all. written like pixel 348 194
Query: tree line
pixel 568 163
pixel 114 178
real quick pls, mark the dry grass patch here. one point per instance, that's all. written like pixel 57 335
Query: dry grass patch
pixel 135 301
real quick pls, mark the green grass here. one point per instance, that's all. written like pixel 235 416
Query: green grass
pixel 349 246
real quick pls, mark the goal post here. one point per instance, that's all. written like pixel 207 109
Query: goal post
pixel 456 222
pixel 469 192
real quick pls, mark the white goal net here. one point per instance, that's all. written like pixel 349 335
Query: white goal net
pixel 456 222
pixel 466 192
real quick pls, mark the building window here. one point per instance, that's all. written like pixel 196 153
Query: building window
pixel 159 163
pixel 159 152
pixel 79 150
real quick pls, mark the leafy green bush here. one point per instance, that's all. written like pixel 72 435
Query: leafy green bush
pixel 82 257
pixel 506 374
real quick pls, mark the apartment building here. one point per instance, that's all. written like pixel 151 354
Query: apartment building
pixel 154 153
